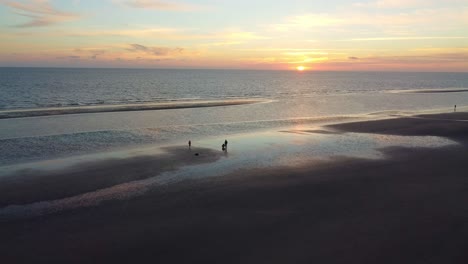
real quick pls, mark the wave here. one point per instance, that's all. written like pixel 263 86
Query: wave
pixel 18 113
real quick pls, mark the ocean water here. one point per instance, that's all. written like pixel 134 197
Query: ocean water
pixel 45 87
pixel 67 112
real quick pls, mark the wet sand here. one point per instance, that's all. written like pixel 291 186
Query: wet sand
pixel 28 186
pixel 449 125
pixel 408 208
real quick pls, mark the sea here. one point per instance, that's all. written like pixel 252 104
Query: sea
pixel 52 113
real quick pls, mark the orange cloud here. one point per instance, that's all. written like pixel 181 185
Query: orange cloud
pixel 155 51
pixel 91 53
pixel 40 13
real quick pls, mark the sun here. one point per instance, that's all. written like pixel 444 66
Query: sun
pixel 300 68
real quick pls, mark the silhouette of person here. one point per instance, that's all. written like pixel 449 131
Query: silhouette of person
pixel 189 144
pixel 225 143
pixel 455 108
pixel 223 147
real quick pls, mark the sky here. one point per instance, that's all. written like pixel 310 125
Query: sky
pixel 341 35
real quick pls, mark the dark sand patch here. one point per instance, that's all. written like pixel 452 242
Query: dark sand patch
pixel 432 91
pixel 450 125
pixel 29 186
pixel 455 116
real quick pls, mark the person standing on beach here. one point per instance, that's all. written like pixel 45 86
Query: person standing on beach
pixel 225 143
pixel 455 108
pixel 189 144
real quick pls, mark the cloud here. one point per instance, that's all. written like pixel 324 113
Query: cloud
pixel 233 37
pixel 308 21
pixel 393 3
pixel 305 53
pixel 71 57
pixel 353 58
pixel 437 18
pixel 402 4
pixel 153 32
pixel 421 59
pixel 160 5
pixel 39 12
pixel 406 38
pixel 293 50
pixel 456 61
pixel 156 51
pixel 221 38
pixel 91 53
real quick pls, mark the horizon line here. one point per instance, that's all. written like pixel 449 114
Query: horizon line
pixel 232 69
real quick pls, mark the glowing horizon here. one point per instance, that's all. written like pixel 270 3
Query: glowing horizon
pixel 387 35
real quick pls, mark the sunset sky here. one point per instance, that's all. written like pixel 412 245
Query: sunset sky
pixel 396 35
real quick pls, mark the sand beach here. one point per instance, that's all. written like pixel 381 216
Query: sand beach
pixel 405 205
